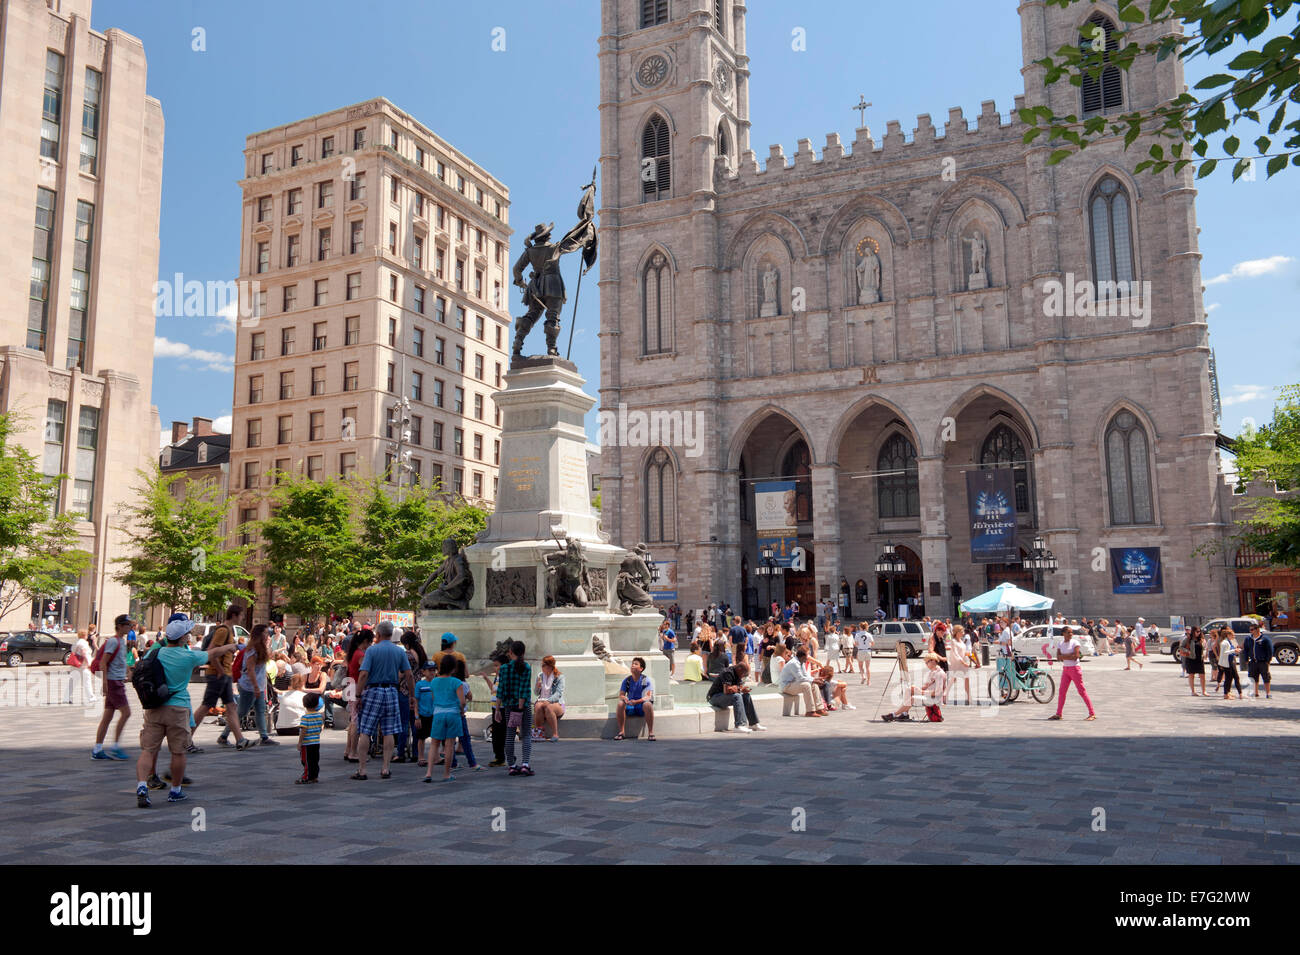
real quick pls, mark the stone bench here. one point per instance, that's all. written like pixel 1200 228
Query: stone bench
pixel 791 704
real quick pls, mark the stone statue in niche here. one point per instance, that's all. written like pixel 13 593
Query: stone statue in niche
pixel 869 278
pixel 769 306
pixel 457 583
pixel 567 581
pixel 978 277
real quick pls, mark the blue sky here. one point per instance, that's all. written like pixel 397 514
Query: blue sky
pixel 435 59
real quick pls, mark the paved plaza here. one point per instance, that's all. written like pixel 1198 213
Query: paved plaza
pixel 1174 779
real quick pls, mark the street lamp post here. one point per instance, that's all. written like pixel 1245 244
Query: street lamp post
pixel 1040 559
pixel 399 415
pixel 890 563
pixel 770 568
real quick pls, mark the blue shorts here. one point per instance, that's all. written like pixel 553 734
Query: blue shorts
pixel 635 709
pixel 379 710
pixel 446 726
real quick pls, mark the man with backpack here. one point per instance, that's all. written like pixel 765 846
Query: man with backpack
pixel 110 661
pixel 1258 649
pixel 162 680
pixel 220 688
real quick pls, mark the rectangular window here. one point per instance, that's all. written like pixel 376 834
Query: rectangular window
pixel 55 422
pixel 440 309
pixel 318 380
pixel 263 257
pixel 325 194
pixel 392 381
pixel 417 428
pixel 284 429
pixel 392 287
pixel 417 248
pixel 460 184
pixel 498 381
pixel 286 341
pixel 90 122
pixel 79 293
pixel 478 406
pixel 442 170
pixel 417 386
pixel 417 469
pixel 478 195
pixel 460 358
pixel 350 375
pixel 348 424
pixel 458 400
pixel 295 155
pixel 319 336
pixel 326 147
pixel 315 465
pixel 354 285
pixel 359 138
pixel 496 294
pixel 316 426
pixel 392 333
pixel 437 436
pixel 437 392
pixel 357 238
pixel 497 252
pixel 286 385
pixel 347 464
pixel 266 163
pixel 259 305
pixel 458 442
pixel 498 328
pixel 394 184
pixel 257 346
pixel 254 389
pixel 357 188
pixel 42 251
pixel 281 470
pixel 294 205
pixel 321 295
pixel 264 209
pixel 478 447
pixel 460 318
pixel 323 244
pixel 460 229
pixel 417 342
pixel 393 141
pixel 457 481
pixel 52 108
pixel 250 474
pixel 254 433
pixel 440 350
pixel 392 237
pixel 496 452
pixel 440 216
pixel 479 327
pixel 478 240
pixel 352 330
pixel 419 156
pixel 478 484
pixel 418 299
pixel 439 261
pixel 419 204
pixel 290 298
pixel 292 250
pixel 478 283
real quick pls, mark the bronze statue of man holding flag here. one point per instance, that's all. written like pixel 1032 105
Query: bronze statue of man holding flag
pixel 544 291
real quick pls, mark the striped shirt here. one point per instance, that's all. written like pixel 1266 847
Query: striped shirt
pixel 311 724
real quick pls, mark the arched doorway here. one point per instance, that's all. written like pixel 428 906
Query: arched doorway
pixel 801 585
pixel 995 574
pixel 910 583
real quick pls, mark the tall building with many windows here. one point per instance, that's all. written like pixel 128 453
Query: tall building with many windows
pixel 81 150
pixel 373 266
pixel 856 331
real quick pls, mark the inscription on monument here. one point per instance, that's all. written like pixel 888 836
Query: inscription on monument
pixel 523 472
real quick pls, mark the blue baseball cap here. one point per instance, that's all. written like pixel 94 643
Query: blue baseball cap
pixel 448 637
pixel 178 616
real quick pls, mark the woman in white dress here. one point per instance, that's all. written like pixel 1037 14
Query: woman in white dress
pixel 959 666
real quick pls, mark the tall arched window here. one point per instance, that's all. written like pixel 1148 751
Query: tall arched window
pixel 660 497
pixel 1106 92
pixel 656 307
pixel 720 16
pixel 1112 234
pixel 798 465
pixel 744 493
pixel 898 492
pixel 1004 449
pixel 724 146
pixel 656 179
pixel 653 12
pixel 1127 473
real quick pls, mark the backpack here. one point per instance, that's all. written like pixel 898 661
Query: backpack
pixel 150 681
pixel 98 663
pixel 237 668
pixel 75 661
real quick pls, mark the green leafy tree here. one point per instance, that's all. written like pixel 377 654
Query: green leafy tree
pixel 1254 87
pixel 179 558
pixel 312 549
pixel 38 552
pixel 1275 447
pixel 403 540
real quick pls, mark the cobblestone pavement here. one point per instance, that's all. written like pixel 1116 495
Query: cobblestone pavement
pixel 1175 779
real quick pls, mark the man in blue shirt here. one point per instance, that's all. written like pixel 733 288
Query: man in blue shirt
pixel 383 668
pixel 171 721
pixel 635 698
pixel 669 644
pixel 1258 650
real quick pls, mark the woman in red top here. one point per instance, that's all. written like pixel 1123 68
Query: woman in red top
pixel 356 653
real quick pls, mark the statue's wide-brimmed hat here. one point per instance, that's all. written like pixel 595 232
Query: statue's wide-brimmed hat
pixel 541 232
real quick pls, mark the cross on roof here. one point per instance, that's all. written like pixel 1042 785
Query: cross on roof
pixel 861 107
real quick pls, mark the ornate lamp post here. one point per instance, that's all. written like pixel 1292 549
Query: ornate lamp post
pixel 890 563
pixel 1039 560
pixel 769 568
pixel 399 417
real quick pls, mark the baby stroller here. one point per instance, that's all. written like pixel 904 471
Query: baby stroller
pixel 249 723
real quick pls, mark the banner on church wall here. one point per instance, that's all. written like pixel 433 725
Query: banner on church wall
pixel 774 519
pixel 664 588
pixel 1136 570
pixel 990 498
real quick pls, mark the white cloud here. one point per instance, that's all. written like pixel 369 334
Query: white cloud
pixel 226 318
pixel 221 424
pixel 1252 269
pixel 1244 393
pixel 1212 307
pixel 211 360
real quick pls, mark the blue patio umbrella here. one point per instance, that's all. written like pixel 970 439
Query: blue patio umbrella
pixel 1006 596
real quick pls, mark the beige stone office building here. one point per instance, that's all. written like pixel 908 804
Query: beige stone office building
pixel 81 155
pixel 374 261
pixel 870 322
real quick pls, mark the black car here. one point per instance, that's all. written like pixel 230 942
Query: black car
pixel 33 646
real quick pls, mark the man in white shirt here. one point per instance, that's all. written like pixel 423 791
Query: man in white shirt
pixel 862 645
pixel 1068 652
pixel 795 681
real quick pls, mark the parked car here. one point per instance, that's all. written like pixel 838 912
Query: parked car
pixel 1286 643
pixel 33 646
pixel 1030 640
pixel 889 634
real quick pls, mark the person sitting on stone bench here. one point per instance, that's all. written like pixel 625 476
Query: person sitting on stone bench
pixel 729 690
pixel 796 682
pixel 931 691
pixel 636 698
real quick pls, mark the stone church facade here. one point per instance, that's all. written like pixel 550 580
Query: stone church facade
pixel 874 321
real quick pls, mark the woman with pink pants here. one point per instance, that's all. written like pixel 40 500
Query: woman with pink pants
pixel 1068 653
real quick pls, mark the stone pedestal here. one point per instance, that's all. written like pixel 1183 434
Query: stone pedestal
pixel 544 494
pixel 976 281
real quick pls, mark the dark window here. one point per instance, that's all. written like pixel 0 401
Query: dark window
pixel 1112 236
pixel 798 465
pixel 1004 449
pixel 1105 92
pixel 1128 474
pixel 653 12
pixel 660 497
pixel 655 172
pixel 898 492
